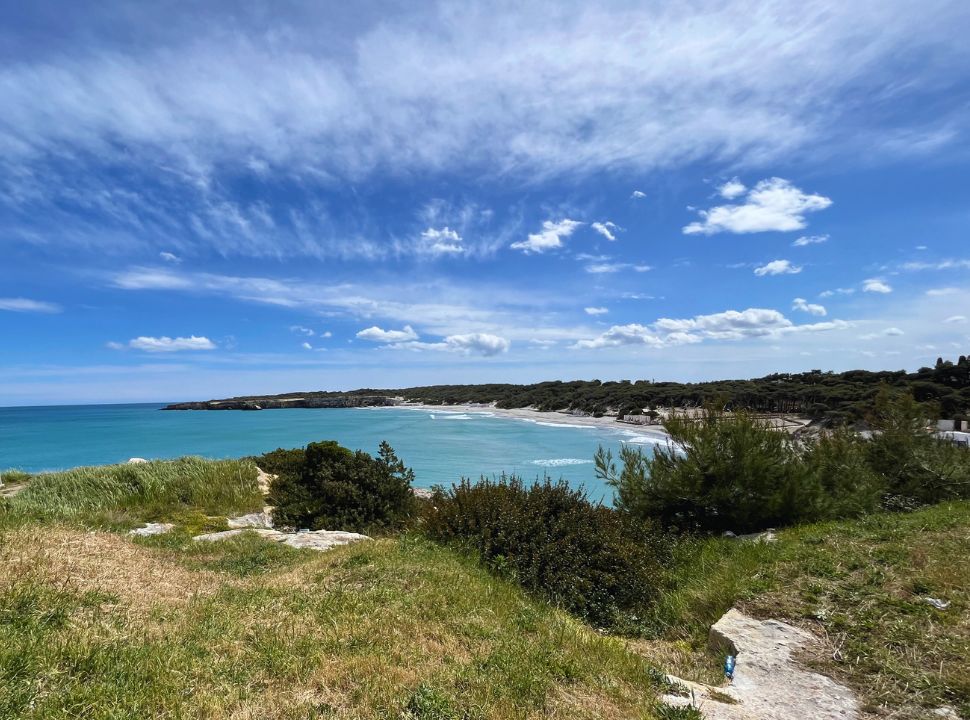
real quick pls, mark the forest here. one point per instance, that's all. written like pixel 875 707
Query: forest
pixel 838 397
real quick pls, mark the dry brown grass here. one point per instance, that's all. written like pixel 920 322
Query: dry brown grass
pixel 92 561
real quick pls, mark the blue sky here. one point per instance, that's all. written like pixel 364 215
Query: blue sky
pixel 199 201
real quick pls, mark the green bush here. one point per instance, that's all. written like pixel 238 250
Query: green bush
pixel 328 487
pixel 917 467
pixel 844 483
pixel 599 564
pixel 721 472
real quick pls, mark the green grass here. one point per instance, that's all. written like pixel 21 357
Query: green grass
pixel 859 586
pixel 397 628
pixel 122 495
pixel 97 624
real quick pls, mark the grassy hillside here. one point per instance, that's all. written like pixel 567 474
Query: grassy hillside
pixel 861 587
pixel 99 625
pixel 96 624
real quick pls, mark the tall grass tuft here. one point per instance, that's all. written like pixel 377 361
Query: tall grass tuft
pixel 148 490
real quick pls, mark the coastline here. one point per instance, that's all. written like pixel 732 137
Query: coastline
pixel 649 432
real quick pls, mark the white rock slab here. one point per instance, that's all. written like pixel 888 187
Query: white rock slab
pixel 768 683
pixel 253 520
pixel 305 539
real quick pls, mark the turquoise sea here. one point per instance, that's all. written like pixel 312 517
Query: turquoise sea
pixel 441 446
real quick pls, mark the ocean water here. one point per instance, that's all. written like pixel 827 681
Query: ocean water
pixel 441 446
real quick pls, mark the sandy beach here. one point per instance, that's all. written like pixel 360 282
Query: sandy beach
pixel 551 418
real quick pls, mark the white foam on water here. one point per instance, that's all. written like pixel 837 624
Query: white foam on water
pixel 561 462
pixel 645 440
pixel 555 424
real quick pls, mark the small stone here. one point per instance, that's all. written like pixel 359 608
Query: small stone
pixel 252 520
pixel 152 529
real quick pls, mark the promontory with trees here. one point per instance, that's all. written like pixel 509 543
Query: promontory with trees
pixel 828 397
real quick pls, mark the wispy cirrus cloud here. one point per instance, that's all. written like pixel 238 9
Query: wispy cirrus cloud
pixel 26 305
pixel 806 240
pixel 606 229
pixel 176 124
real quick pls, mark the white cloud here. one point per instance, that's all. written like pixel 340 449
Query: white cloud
pixel 484 344
pixel 27 305
pixel 596 310
pixel 774 204
pixel 939 292
pixel 326 334
pixel 727 325
pixel 376 334
pixel 606 229
pixel 549 238
pixel 950 264
pixel 888 332
pixel 302 330
pixel 810 308
pixel 165 344
pixel 731 189
pixel 806 240
pixel 956 319
pixel 837 291
pixel 443 241
pixel 306 346
pixel 603 268
pixel 169 257
pixel 876 285
pixel 777 267
pixel 637 195
pixel 632 334
pixel 478 343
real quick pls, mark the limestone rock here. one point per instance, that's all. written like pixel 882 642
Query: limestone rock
pixel 768 683
pixel 262 519
pixel 263 480
pixel 305 539
pixel 136 461
pixel 152 529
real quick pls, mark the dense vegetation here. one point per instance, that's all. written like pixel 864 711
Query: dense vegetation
pixel 604 566
pixel 96 624
pixel 732 471
pixel 838 397
pixel 328 487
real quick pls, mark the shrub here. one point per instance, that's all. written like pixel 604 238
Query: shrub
pixel 597 563
pixel 918 468
pixel 721 472
pixel 838 468
pixel 328 487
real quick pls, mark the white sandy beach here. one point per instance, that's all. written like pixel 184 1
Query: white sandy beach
pixel 551 418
